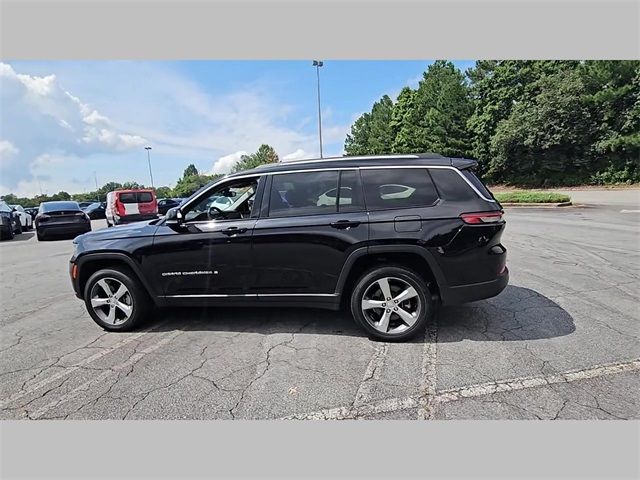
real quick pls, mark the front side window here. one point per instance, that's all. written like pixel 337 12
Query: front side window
pixel 398 188
pixel 229 201
pixel 309 193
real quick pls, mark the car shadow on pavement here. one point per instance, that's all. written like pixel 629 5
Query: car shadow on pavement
pixel 516 314
pixel 21 237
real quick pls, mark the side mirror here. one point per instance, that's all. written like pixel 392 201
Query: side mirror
pixel 174 218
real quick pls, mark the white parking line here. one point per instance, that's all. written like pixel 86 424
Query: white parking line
pixel 428 380
pixel 371 374
pixel 629 211
pixel 469 391
pixel 69 370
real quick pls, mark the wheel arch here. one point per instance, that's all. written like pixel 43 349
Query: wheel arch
pixel 413 257
pixel 90 263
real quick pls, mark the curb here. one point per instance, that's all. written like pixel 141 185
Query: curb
pixel 536 205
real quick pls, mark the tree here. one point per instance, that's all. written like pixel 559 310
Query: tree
pixel 358 141
pixel 442 109
pixel 372 134
pixel 401 119
pixel 545 139
pixel 190 171
pixel 265 154
pixel 164 192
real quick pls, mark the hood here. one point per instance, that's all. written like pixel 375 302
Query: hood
pixel 131 230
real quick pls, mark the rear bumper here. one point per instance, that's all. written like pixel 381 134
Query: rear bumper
pixel 64 229
pixel 474 291
pixel 135 218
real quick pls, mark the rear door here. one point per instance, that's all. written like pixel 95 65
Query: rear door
pixel 147 203
pixel 310 224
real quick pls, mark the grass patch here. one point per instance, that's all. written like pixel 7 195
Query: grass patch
pixel 527 196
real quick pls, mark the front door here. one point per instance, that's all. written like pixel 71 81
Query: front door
pixel 209 254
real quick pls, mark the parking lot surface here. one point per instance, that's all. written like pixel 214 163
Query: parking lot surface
pixel 562 341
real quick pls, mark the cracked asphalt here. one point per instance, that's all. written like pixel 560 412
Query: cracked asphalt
pixel 561 342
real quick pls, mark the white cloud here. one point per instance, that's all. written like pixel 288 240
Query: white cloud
pixel 40 118
pixel 224 164
pixel 299 154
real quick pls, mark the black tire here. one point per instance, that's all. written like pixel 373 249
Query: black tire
pixel 424 315
pixel 18 226
pixel 140 300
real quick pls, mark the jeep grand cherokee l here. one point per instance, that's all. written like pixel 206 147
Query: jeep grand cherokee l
pixel 390 236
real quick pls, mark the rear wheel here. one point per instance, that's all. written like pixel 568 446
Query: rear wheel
pixel 392 303
pixel 115 299
pixel 18 226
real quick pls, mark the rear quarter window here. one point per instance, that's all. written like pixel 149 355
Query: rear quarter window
pixel 451 186
pixel 398 188
pixel 476 182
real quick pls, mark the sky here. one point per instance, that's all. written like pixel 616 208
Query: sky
pixel 65 125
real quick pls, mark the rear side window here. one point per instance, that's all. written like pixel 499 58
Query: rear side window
pixel 452 186
pixel 350 192
pixel 475 181
pixel 398 188
pixel 309 193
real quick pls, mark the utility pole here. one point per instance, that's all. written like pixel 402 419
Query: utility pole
pixel 148 148
pixel 318 64
pixel 95 177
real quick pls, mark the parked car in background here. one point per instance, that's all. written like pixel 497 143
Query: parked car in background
pixel 25 219
pixel 33 211
pixel 61 218
pixel 85 204
pixel 96 210
pixel 166 203
pixel 124 206
pixel 10 222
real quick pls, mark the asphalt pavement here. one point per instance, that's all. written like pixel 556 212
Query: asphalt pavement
pixel 561 342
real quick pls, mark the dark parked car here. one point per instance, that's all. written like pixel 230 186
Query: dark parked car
pixel 390 236
pixel 61 218
pixel 9 221
pixel 33 211
pixel 85 204
pixel 95 210
pixel 166 204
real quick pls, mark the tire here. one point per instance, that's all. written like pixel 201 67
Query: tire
pixel 403 318
pixel 18 226
pixel 136 298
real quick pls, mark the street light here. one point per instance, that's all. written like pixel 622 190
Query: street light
pixel 149 160
pixel 318 64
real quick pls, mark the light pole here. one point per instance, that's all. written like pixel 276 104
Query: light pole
pixel 149 160
pixel 318 64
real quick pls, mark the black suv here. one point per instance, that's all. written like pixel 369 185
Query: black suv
pixel 393 236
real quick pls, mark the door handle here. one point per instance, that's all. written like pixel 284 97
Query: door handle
pixel 344 224
pixel 233 231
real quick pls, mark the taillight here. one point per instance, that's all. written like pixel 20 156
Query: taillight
pixel 42 218
pixel 477 218
pixel 120 208
pixel 74 271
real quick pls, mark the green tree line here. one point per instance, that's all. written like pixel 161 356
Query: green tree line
pixel 191 181
pixel 531 123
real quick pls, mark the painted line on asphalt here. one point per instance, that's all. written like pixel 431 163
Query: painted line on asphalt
pixel 428 380
pixel 629 211
pixel 390 405
pixel 371 375
pixel 69 370
pixel 135 358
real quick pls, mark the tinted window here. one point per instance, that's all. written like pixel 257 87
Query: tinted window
pixel 145 197
pixel 452 186
pixel 127 197
pixel 350 192
pixel 398 188
pixel 310 193
pixel 58 206
pixel 477 183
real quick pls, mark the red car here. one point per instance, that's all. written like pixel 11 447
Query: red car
pixel 124 206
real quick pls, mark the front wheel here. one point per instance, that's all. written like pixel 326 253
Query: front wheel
pixel 115 299
pixel 392 303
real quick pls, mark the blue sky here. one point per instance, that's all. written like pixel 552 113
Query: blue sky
pixel 62 121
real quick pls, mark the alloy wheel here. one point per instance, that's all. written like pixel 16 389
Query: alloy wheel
pixel 111 301
pixel 391 305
